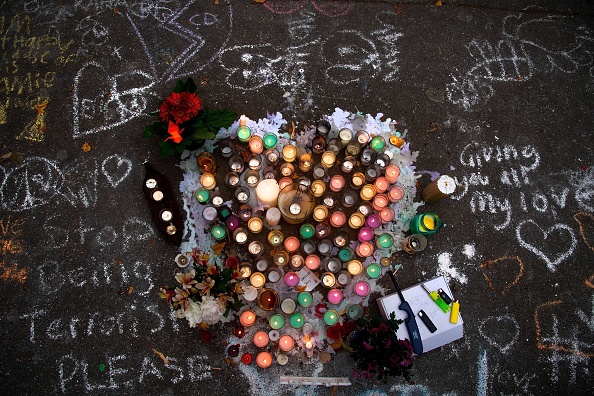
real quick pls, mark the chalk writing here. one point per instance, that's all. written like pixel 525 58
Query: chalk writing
pixel 586 223
pixel 10 245
pixel 35 131
pixel 562 238
pixel 327 7
pixel 501 332
pixel 483 373
pixel 502 271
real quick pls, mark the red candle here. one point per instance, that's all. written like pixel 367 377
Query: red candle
pixel 381 184
pixel 286 343
pixel 246 358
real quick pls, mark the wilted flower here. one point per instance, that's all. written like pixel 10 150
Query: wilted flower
pixel 367 346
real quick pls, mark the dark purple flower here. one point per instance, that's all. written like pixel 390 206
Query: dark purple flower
pixel 394 359
pixel 388 343
pixel 383 327
pixel 367 346
pixel 372 366
pixel 375 330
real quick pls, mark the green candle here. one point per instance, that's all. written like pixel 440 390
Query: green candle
pixel 331 317
pixel 277 321
pixel 244 133
pixel 270 140
pixel 297 320
pixel 355 311
pixel 384 241
pixel 378 143
pixel 307 231
pixel 304 299
pixel 374 271
pixel 202 195
pixel 219 232
pixel 345 254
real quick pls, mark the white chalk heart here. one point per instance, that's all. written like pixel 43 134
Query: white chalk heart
pixel 561 230
pixel 116 169
pixel 501 332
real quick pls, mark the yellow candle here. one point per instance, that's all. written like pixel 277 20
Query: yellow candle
pixel 318 188
pixel 208 181
pixel 289 153
pixel 356 220
pixel 367 192
pixel 257 279
pixel 354 267
pixel 255 225
pixel 429 222
pixel 328 158
pixel 320 213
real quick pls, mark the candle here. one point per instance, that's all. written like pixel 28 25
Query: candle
pixel 320 213
pixel 387 214
pixel 297 320
pixel 312 262
pixel 232 222
pixel 367 192
pixel 305 162
pixel 397 141
pixel 273 334
pixel 257 279
pixel 247 318
pixel 245 212
pixel 368 156
pixel 373 221
pixel 337 219
pixel 392 173
pixel 227 149
pixel 395 194
pixel 308 247
pixel 236 164
pixel 381 184
pixel 150 183
pixel 384 241
pixel 255 144
pixel 345 135
pixel 349 198
pixel 307 231
pixel 242 194
pixel 245 270
pixel 232 179
pixel 354 267
pixel 240 235
pixel 334 296
pixel 289 153
pixel 383 160
pixel 158 195
pixel 286 343
pixel 378 143
pixel 288 306
pixel 255 248
pixel 261 263
pixel 341 239
pixel 296 262
pixel 323 127
pixel 272 156
pixel 202 195
pixel 270 140
pixel 275 238
pixel 267 192
pixel 356 220
pixel 284 182
pixel 233 350
pixel 273 216
pixel 343 278
pixel 318 187
pixel 208 181
pixel 362 136
pixel 243 132
pixel 268 299
pixel 337 183
pixel 355 311
pixel 206 162
pixel 362 288
pixel 273 275
pixel 291 279
pixel 280 258
pixel 291 244
pixel 254 162
pixel 246 358
pixel 287 169
pixel 276 321
pixel 364 249
pixel 252 178
pixel 328 159
pixel 385 261
pixel 328 279
pixel 365 234
pixel 261 339
pixel 210 214
pixel 239 331
pixel 264 360
pixel 331 317
pixel 345 254
pixel 325 247
pixel 374 271
pixel 304 299
pixel 219 232
pixel 255 225
pixel 250 294
pixel 357 180
pixel 380 201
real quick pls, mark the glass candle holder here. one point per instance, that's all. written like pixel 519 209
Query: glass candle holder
pixel 332 264
pixel 337 219
pixel 397 141
pixel 349 198
pixel 334 145
pixel 367 192
pixel 330 201
pixel 272 156
pixel 210 214
pixel 291 244
pixel 380 201
pixel 255 248
pixel 392 173
pixel 206 162
pixel 252 178
pixel 288 306
pixel 312 262
pixel 270 172
pixel 307 231
pixel 318 144
pixel 224 212
pixel 255 225
pixel 387 214
pixel 328 279
pixel 362 136
pixel 257 279
pixel 232 222
pixel 289 153
pixel 236 164
pixel 337 183
pixel 384 241
pixel 364 249
pixel 355 311
pixel 256 144
pixel 356 220
pixel 296 203
pixel 357 180
pixel 322 230
pixel 354 267
pixel 242 194
pixel 261 262
pixel 334 296
pixel 328 158
pixel 202 195
pixel 378 143
pixel 345 135
pixel 280 258
pixel 365 234
pixel 372 173
pixel 373 221
pixel 219 232
pixel 276 321
pixel 273 275
pixel 343 278
pixel 395 194
pixel 247 318
pixel 353 149
pixel 368 157
pixel 254 162
pixel 331 317
pixel 305 162
pixel 208 181
pixel 232 179
pixel 284 182
pixel 287 169
pixel 286 343
pixel 381 184
pixel 216 199
pixel 291 279
pixel 239 331
pixel 320 172
pixel 264 359
pixel 345 254
pixel 240 235
pixel 275 238
pixel 297 320
pixel 308 247
pixel 325 247
pixel 323 127
pixel 296 262
pixel 244 212
pixel 348 164
pixel 268 299
pixel 341 239
pixel 261 338
pixel 304 299
pixel 362 288
pixel 245 270
pixel 270 140
pixel 382 161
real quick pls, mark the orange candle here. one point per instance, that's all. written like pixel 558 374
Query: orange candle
pixel 291 244
pixel 380 201
pixel 381 184
pixel 338 219
pixel 392 173
pixel 261 339
pixel 395 194
pixel 286 343
pixel 247 318
pixel 312 262
pixel 264 359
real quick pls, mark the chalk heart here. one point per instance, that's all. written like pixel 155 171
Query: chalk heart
pixel 501 331
pixel 560 237
pixel 116 169
pixel 503 272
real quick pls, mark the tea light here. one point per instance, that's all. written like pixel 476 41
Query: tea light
pixel 242 194
pixel 387 214
pixel 275 238
pixel 340 239
pixel 289 153
pixel 232 222
pixel 232 179
pixel 378 143
pixel 272 156
pixel 374 271
pixel 367 192
pixel 362 136
pixel 331 317
pixel 250 294
pixel 206 162
pixel 381 184
pixel 268 299
pixel 247 318
pixel 337 183
pixel 255 144
pixel 345 254
pixel 208 181
pixel 264 360
pixel 365 234
pixel 328 279
pixel 348 163
pixel 158 195
pixel 246 358
pixel 312 262
pixel 304 299
pixel 305 162
pixel 252 178
pixel 306 231
pixel 297 320
pixel 318 187
pixel 227 149
pixel 343 278
pixel 357 180
pixel 322 231
pixel 273 216
pixel 273 275
pixel 354 267
pixel 254 161
pixel 364 249
pixel 332 264
pixel 255 225
pixel 269 140
pixel 216 199
pixel 392 173
pixel 362 288
pixel 296 262
pixel 373 221
pixel 291 279
pixel 287 169
pixel 239 331
pixel 368 157
pixel 255 248
pixel 233 350
pixel 219 232
pixel 325 247
pixel 355 311
pixel 334 296
pixel 380 201
pixel 245 270
pixel 385 261
pixel 150 183
pixel 288 306
pixel 284 182
pixel 337 219
pixel 280 258
pixel 210 214
pixel 348 199
pixel 356 220
pixel 365 209
pixel 395 194
pixel 328 158
pixel 261 339
pixel 257 280
pixel 320 213
pixel 286 343
pixel 276 321
pixel 345 135
pixel 236 164
pixel 202 195
pixel 384 241
pixel 383 160
pixel 329 201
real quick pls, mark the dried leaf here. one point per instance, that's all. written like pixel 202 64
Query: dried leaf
pixel 13 156
pixel 438 3
pixel 86 147
pixel 161 356
pixel 300 288
pixel 259 1
pixel 216 2
pixel 292 130
pixel 204 81
pixel 130 289
pixel 116 11
pixel 218 248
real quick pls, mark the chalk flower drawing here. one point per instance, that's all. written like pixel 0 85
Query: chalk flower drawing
pixel 184 108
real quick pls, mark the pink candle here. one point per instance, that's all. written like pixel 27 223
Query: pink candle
pixel 396 193
pixel 284 182
pixel 337 183
pixel 380 201
pixel 392 173
pixel 387 214
pixel 381 184
pixel 286 343
pixel 364 249
pixel 247 318
pixel 362 288
pixel 291 244
pixel 291 279
pixel 334 296
pixel 337 219
pixel 261 339
pixel 365 234
pixel 264 359
pixel 312 262
pixel 373 221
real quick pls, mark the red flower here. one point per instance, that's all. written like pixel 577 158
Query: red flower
pixel 164 112
pixel 333 333
pixel 175 133
pixel 180 106
pixel 320 310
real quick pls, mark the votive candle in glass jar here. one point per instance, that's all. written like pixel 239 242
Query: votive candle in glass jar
pixel 240 235
pixel 387 214
pixel 337 219
pixel 318 144
pixel 227 149
pixel 210 214
pixel 337 183
pixel 332 264
pixel 362 288
pixel 331 317
pixel 219 232
pixel 244 212
pixel 296 262
pixel 289 153
pixel 308 247
pixel 392 173
pixel 328 279
pixel 320 172
pixel 255 248
pixel 280 258
pixel 368 157
pixel 325 247
pixel 232 179
pixel 272 156
pixel 208 181
pixel 273 275
pixel 284 182
pixel 354 267
pixel 255 144
pixel 356 220
pixel 384 241
pixel 365 234
pixel 257 279
pixel 340 239
pixel 305 162
pixel 322 230
pixel 252 178
pixel 307 231
pixel 232 222
pixel 287 169
pixel 372 173
pixel 291 279
pixel 312 262
pixel 334 296
pixel 247 318
pixel 357 181
pixel 276 321
pixel 255 225
pixel 320 213
pixel 373 221
pixel 268 299
pixel 323 127
pixel 343 278
pixel 206 162
pixel 381 184
pixel 345 135
pixel 275 238
pixel 236 164
pixel 328 158
pixel 349 198
pixel 348 164
pixel 261 339
pixel 288 306
pixel 378 143
pixel 353 148
pixel 380 201
pixel 269 140
pixel 202 195
pixel 286 343
pixel 264 359
pixel 297 320
pixel 243 132
pixel 395 194
pixel 304 299
pixel 367 192
pixel 382 161
pixel 364 249
pixel 362 136
pixel 254 162
pixel 291 244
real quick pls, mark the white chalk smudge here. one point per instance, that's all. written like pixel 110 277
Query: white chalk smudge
pixel 469 250
pixel 446 269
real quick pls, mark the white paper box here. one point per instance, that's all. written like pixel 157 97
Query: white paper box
pixel 419 299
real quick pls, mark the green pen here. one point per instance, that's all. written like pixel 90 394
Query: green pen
pixel 438 300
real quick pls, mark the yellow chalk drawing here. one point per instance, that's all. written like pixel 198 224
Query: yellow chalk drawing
pixel 585 221
pixel 590 282
pixel 495 266
pixel 35 130
pixel 2 114
pixel 12 273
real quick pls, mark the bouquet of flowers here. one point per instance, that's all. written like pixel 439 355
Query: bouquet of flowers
pixel 206 293
pixel 183 120
pixel 378 352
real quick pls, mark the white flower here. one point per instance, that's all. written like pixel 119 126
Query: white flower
pixel 193 313
pixel 211 310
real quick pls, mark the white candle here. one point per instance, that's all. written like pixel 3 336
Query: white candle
pixel 267 192
pixel 273 216
pixel 250 293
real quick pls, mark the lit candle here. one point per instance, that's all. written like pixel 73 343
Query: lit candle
pixel 334 296
pixel 272 156
pixel 307 231
pixel 356 220
pixel 312 262
pixel 348 163
pixel 276 321
pixel 364 249
pixel 245 212
pixel 255 248
pixel 267 192
pixel 289 153
pixel 296 262
pixel 374 271
pixel 355 267
pixel 254 162
pixel 381 184
pixel 287 169
pixel 395 194
pixel 232 222
pixel 255 144
pixel 206 162
pixel 367 192
pixel 397 141
pixel 233 350
pixel 280 258
pixel 343 278
pixel 387 214
pixel 252 178
pixel 246 358
pixel 378 143
pixel 320 213
pixel 270 140
pixel 242 194
pixel 245 270
pixel 337 183
pixel 328 279
pixel 286 343
pixel 357 180
pixel 158 195
pixel 243 132
pixel 384 241
pixel 273 216
pixel 297 320
pixel 291 279
pixel 250 294
pixel 261 339
pixel 202 195
pixel 337 219
pixel 275 238
pixel 247 318
pixel 239 331
pixel 268 299
pixel 331 317
pixel 325 247
pixel 305 162
pixel 291 244
pixel 362 136
pixel 345 135
pixel 380 201
pixel 227 149
pixel 373 221
pixel 341 239
pixel 257 279
pixel 255 225
pixel 385 261
pixel 264 360
pixel 288 306
pixel 328 159
pixel 365 234
pixel 392 173
pixel 284 182
pixel 208 181
pixel 240 235
pixel 219 232
pixel 304 299
pixel 362 288
pixel 232 179
pixel 318 187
